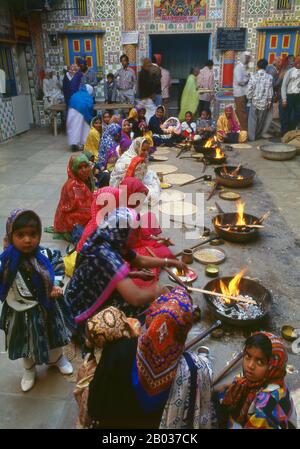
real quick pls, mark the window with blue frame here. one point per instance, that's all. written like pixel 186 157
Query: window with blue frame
pixel 6 64
pixel 80 7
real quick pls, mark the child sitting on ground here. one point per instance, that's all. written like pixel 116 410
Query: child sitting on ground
pixel 35 318
pixel 110 89
pixel 206 127
pixel 260 398
pixel 188 126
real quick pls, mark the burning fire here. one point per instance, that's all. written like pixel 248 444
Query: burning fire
pixel 233 287
pixel 219 153
pixel 211 142
pixel 240 214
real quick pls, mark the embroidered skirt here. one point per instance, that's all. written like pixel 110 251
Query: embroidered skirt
pixel 34 332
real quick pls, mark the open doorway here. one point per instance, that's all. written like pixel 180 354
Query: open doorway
pixel 180 52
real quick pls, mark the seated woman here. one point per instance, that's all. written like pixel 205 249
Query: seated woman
pixel 161 134
pixel 125 141
pixel 93 139
pixel 206 127
pixel 101 277
pixel 140 128
pixel 189 126
pixel 146 381
pixel 260 398
pixel 133 163
pixel 106 117
pixel 107 200
pixel 229 129
pixel 74 207
pixel 80 114
pixel 108 153
pixel 106 327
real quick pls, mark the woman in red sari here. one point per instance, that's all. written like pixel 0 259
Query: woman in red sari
pixel 74 207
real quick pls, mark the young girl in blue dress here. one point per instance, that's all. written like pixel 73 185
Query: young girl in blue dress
pixel 35 318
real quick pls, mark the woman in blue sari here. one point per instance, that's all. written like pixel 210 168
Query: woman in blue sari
pixel 80 114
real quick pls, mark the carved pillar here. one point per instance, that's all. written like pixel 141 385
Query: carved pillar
pixel 129 25
pixel 231 21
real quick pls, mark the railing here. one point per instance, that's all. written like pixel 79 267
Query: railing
pixel 80 7
pixel 284 4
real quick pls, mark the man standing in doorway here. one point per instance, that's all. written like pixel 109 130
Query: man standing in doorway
pixel 260 95
pixel 126 81
pixel 165 84
pixel 240 82
pixel 206 80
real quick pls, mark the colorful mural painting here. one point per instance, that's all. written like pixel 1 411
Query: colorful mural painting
pixel 180 10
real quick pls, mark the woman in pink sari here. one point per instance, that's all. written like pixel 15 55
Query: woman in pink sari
pixel 131 193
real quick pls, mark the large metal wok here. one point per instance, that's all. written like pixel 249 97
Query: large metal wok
pixel 246 173
pixel 247 287
pixel 238 236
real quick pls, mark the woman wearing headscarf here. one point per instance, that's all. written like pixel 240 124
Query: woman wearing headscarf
pixel 133 163
pixel 108 153
pixel 162 133
pixel 139 125
pixel 74 207
pixel 93 139
pixel 101 275
pixel 106 327
pixel 125 141
pixel 134 379
pixel 259 398
pixel 80 114
pixel 228 127
pixel 105 200
pixel 190 96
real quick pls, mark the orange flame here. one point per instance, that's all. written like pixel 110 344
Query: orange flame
pixel 209 143
pixel 217 221
pixel 219 153
pixel 233 287
pixel 240 214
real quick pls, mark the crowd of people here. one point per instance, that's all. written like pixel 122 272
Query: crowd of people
pixel 132 331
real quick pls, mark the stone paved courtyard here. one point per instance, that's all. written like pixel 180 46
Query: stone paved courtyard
pixel 32 171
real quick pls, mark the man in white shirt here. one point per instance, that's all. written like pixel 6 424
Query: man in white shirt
pixel 240 82
pixel 260 94
pixel 290 93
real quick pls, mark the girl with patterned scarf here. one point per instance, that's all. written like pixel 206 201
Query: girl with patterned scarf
pixel 108 153
pixel 34 316
pixel 137 381
pixel 260 398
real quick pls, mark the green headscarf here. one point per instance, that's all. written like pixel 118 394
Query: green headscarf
pixel 75 164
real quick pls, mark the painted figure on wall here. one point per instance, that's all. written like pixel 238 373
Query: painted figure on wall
pixel 179 10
